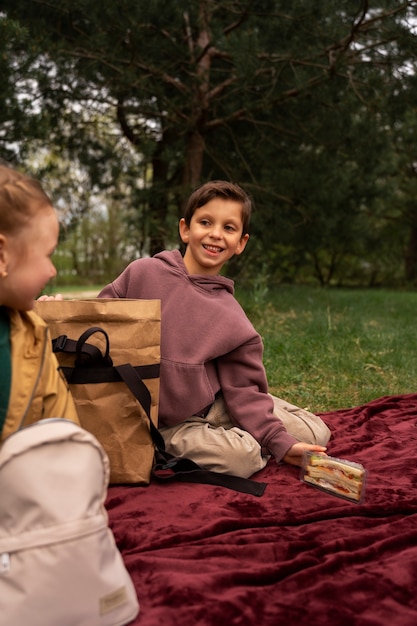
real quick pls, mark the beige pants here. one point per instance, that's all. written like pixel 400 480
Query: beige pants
pixel 216 444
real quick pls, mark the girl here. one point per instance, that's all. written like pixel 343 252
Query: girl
pixel 31 387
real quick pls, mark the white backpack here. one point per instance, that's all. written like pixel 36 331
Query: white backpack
pixel 59 563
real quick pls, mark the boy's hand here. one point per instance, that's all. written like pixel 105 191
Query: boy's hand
pixel 295 454
pixel 58 296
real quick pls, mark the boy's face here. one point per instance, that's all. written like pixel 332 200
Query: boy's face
pixel 213 236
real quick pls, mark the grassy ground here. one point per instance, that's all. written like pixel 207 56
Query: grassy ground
pixel 328 349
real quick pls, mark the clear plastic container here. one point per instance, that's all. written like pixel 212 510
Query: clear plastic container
pixel 337 477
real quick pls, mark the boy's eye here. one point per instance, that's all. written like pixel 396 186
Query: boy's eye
pixel 230 227
pixel 204 222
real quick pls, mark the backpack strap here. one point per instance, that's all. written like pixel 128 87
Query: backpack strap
pixel 86 354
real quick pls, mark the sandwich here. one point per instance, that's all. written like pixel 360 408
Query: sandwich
pixel 337 476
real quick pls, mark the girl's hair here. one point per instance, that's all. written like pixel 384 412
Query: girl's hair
pixel 219 189
pixel 21 197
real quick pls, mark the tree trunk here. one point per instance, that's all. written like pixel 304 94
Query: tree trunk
pixel 194 155
pixel 158 203
pixel 200 52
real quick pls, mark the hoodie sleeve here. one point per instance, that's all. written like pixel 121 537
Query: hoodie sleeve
pixel 133 282
pixel 119 288
pixel 245 391
pixel 109 291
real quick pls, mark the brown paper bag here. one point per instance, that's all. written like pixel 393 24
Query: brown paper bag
pixel 106 406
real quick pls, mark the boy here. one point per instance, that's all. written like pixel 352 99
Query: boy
pixel 214 402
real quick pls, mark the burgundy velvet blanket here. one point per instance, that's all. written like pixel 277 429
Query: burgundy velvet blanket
pixel 206 556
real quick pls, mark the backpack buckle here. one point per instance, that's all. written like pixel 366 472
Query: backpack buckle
pixel 59 343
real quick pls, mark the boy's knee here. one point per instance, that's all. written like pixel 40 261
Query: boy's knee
pixel 242 454
pixel 301 424
pixel 227 451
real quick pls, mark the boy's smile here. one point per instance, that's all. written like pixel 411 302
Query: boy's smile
pixel 213 236
pixel 212 248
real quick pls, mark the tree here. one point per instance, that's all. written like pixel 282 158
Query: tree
pixel 242 89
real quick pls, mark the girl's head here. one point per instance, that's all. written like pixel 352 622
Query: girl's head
pixel 219 189
pixel 28 237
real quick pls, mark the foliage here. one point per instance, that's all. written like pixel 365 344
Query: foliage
pixel 310 106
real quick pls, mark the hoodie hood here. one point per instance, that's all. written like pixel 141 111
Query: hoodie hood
pixel 207 282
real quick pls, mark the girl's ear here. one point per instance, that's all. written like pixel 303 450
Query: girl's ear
pixel 242 244
pixel 3 254
pixel 184 231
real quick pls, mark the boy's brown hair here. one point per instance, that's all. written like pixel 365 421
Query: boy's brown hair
pixel 21 197
pixel 219 189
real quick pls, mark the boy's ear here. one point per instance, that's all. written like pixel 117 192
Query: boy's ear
pixel 184 230
pixel 242 244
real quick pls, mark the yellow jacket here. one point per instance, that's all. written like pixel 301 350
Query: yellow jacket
pixel 38 389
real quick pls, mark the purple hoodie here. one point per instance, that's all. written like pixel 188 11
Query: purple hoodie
pixel 207 345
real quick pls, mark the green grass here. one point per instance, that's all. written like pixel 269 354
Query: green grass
pixel 328 349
